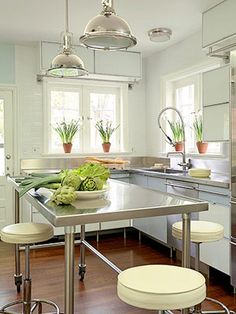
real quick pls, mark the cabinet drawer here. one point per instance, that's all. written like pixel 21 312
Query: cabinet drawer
pixel 156 227
pixel 156 184
pixel 219 214
pixel 214 194
pixel 139 179
pixel 217 255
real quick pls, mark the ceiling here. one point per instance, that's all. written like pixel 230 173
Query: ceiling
pixel 34 20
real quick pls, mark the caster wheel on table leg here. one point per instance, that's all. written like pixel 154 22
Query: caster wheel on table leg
pixel 82 271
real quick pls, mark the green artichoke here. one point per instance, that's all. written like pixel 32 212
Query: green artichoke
pixel 88 184
pixel 64 195
pixel 72 179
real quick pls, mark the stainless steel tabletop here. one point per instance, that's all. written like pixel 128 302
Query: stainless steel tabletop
pixel 123 201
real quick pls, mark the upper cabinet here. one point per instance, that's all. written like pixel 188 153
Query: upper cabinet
pixel 216 99
pixel 219 25
pixel 125 64
pixel 121 63
pixel 216 86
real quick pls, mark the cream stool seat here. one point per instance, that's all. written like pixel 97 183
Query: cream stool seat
pixel 28 233
pixel 201 231
pixel 161 287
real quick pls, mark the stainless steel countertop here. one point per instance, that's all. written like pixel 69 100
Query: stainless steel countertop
pixel 216 179
pixel 123 201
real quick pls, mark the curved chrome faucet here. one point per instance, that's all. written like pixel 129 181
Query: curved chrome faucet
pixel 184 164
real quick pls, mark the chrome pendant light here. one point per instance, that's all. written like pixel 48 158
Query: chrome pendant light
pixel 107 31
pixel 67 64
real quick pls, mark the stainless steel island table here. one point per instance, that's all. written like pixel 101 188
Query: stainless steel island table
pixel 123 201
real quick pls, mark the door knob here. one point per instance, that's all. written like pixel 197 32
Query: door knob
pixel 8 156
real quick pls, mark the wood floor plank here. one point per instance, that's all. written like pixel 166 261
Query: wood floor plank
pixel 97 294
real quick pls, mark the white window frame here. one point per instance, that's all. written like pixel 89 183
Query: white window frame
pixel 166 99
pixel 85 86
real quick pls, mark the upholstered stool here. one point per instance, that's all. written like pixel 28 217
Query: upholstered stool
pixel 161 287
pixel 202 232
pixel 27 233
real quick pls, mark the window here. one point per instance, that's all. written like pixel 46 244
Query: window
pixel 88 102
pixel 185 95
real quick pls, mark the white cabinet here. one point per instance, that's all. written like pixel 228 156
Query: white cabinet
pixel 218 23
pixel 216 98
pixel 156 184
pixel 156 227
pixel 120 63
pixel 49 50
pixel 216 86
pixel 139 179
pixel 216 123
pixel 216 254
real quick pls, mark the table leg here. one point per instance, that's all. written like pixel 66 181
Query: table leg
pixel 69 270
pixel 186 240
pixel 82 265
pixel 18 274
pixel 186 246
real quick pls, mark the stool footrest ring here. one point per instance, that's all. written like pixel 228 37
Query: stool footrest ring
pixel 35 303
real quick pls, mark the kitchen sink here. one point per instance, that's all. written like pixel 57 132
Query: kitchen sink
pixel 165 170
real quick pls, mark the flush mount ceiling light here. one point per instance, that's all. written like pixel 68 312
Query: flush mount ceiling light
pixel 107 31
pixel 67 64
pixel 160 34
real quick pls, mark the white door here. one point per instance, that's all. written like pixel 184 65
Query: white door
pixel 6 157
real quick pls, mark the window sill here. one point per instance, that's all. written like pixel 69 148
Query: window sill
pixel 200 156
pixel 73 155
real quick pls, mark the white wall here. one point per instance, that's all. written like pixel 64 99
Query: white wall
pixel 31 107
pixel 183 55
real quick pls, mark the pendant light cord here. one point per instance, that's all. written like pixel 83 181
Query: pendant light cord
pixel 66 17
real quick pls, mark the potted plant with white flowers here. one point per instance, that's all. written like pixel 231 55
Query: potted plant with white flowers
pixel 105 130
pixel 198 129
pixel 66 132
pixel 178 134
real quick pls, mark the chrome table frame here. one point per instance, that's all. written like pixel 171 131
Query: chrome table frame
pixel 133 202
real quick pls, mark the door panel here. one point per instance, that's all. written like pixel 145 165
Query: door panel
pixel 6 160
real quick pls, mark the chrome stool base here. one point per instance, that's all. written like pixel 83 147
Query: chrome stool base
pixel 33 305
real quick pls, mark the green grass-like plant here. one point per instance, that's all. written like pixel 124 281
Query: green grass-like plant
pixel 197 126
pixel 177 131
pixel 105 130
pixel 67 131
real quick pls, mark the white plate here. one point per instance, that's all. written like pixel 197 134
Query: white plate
pixel 88 195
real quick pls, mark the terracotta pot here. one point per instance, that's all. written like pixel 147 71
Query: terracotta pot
pixel 67 147
pixel 179 146
pixel 106 147
pixel 202 147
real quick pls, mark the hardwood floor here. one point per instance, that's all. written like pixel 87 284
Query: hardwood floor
pixel 97 294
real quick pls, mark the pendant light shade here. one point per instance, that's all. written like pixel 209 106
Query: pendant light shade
pixel 107 31
pixel 67 64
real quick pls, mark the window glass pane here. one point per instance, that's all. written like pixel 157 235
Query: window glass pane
pixel 2 154
pixel 187 100
pixel 185 104
pixel 102 107
pixel 64 106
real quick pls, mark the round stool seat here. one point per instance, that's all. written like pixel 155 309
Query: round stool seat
pixel 27 233
pixel 161 287
pixel 201 231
